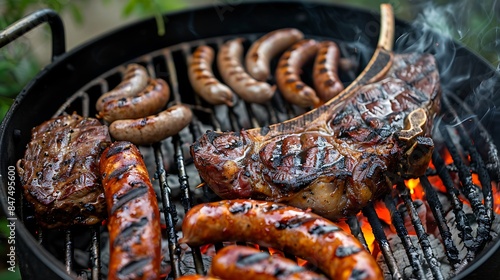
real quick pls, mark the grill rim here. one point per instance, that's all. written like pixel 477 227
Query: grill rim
pixel 64 60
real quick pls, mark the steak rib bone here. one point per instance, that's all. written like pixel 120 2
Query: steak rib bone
pixel 339 157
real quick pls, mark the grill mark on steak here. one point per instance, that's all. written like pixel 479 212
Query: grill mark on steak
pixel 59 171
pixel 337 158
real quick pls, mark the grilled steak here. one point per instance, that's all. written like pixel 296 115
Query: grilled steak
pixel 59 171
pixel 339 157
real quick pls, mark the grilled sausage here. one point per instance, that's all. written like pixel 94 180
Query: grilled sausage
pixel 294 90
pixel 266 47
pixel 149 101
pixel 338 254
pixel 134 217
pixel 133 82
pixel 241 262
pixel 154 128
pixel 229 62
pixel 197 277
pixel 203 80
pixel 325 71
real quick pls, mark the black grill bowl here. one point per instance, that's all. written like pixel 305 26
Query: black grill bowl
pixel 71 71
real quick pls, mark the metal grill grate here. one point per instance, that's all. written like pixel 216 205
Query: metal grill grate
pixel 168 158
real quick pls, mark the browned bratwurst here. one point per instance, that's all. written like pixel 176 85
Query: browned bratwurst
pixel 133 82
pixel 134 217
pixel 338 254
pixel 147 102
pixel 203 80
pixel 247 263
pixel 153 128
pixel 197 277
pixel 288 71
pixel 229 62
pixel 325 71
pixel 261 52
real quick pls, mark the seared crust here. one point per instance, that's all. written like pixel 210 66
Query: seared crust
pixel 59 171
pixel 338 158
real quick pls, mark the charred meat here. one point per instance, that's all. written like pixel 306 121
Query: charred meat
pixel 338 157
pixel 60 171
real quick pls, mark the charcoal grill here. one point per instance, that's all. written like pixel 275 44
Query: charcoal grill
pixel 74 80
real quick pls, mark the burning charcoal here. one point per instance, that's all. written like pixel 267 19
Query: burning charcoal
pixel 404 264
pixel 422 214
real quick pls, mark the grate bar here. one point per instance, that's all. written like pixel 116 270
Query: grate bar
pixel 168 211
pixel 353 223
pixel 172 75
pixel 420 230
pixel 483 234
pixel 482 137
pixel 95 255
pixel 411 251
pixel 68 250
pixel 461 220
pixel 186 199
pixel 437 210
pixel 382 241
pixel 470 191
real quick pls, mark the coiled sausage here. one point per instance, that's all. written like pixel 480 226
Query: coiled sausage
pixel 153 128
pixel 266 47
pixel 133 82
pixel 325 71
pixel 229 62
pixel 149 101
pixel 203 80
pixel 288 79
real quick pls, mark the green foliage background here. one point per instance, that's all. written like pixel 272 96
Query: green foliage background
pixel 474 23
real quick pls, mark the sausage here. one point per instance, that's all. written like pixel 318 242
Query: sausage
pixel 134 217
pixel 229 62
pixel 203 80
pixel 147 102
pixel 133 82
pixel 242 262
pixel 306 235
pixel 294 90
pixel 325 71
pixel 197 277
pixel 261 52
pixel 154 128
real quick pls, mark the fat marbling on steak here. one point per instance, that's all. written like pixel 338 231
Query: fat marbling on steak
pixel 59 171
pixel 338 157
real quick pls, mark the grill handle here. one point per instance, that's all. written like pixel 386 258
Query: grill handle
pixel 22 26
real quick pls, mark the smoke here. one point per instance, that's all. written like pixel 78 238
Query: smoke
pixel 464 37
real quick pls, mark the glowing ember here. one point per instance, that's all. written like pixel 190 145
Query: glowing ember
pixel 415 188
